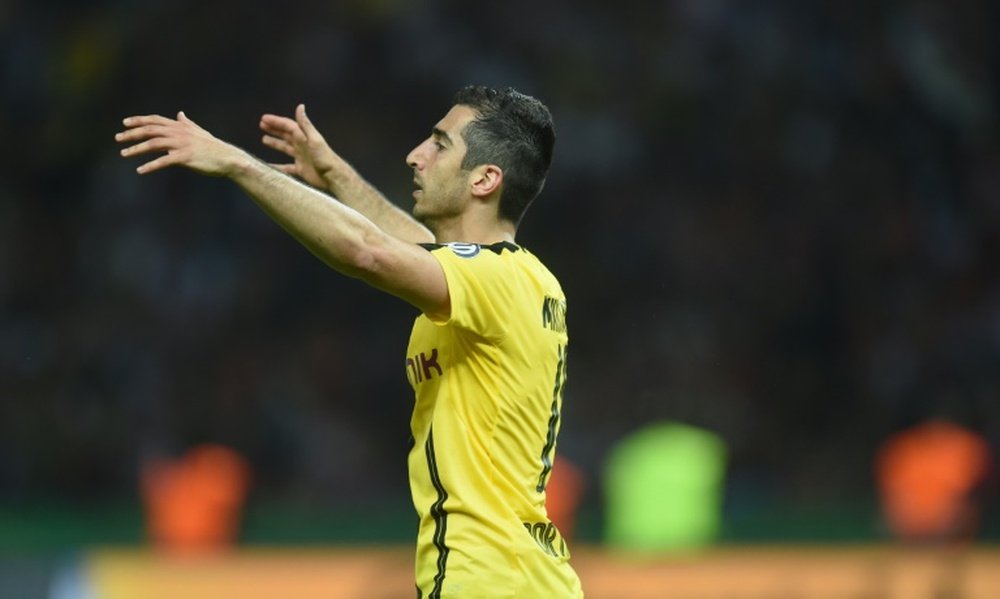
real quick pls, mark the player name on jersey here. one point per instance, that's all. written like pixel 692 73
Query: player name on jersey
pixel 554 314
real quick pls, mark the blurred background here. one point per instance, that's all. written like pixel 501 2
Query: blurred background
pixel 776 222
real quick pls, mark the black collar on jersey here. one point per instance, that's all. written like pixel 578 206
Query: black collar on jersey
pixel 496 248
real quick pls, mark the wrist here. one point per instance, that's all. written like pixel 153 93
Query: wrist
pixel 239 164
pixel 338 174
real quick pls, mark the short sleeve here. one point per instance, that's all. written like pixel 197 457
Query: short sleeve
pixel 479 286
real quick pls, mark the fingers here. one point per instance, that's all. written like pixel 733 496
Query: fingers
pixel 278 144
pixel 148 119
pixel 142 132
pixel 152 133
pixel 279 126
pixel 150 137
pixel 159 163
pixel 156 144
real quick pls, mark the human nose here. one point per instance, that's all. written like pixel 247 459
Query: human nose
pixel 417 157
pixel 411 158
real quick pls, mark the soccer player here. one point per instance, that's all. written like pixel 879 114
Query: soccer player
pixel 487 354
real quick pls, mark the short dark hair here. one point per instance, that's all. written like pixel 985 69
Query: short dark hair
pixel 515 132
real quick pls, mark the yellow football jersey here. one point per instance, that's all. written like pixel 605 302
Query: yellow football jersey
pixel 488 384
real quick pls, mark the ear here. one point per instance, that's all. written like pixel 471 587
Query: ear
pixel 485 179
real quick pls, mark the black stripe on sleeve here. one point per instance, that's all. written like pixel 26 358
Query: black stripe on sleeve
pixel 440 517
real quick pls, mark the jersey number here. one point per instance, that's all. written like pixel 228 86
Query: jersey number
pixel 550 438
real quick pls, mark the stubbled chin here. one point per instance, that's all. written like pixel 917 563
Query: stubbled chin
pixel 420 217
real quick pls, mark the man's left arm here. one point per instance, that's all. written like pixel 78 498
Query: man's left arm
pixel 340 236
pixel 315 162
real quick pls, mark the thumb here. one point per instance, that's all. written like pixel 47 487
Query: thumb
pixel 288 169
pixel 305 123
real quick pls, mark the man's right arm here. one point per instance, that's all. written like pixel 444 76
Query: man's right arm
pixel 317 164
pixel 339 235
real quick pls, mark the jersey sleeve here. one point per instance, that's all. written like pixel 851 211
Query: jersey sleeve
pixel 479 289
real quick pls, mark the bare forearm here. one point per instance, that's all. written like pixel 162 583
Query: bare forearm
pixel 340 236
pixel 348 186
pixel 315 162
pixel 335 233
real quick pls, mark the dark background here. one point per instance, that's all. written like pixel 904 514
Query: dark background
pixel 776 220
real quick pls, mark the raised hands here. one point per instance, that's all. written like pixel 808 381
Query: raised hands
pixel 185 143
pixel 313 160
pixel 182 142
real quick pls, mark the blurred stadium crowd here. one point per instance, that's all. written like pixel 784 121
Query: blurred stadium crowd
pixel 777 220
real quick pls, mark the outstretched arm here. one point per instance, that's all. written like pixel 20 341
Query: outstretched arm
pixel 339 235
pixel 317 164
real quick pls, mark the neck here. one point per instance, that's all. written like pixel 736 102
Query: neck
pixel 469 231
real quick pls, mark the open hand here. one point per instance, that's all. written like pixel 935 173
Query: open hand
pixel 185 143
pixel 298 139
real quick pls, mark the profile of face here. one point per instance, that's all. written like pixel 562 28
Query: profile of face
pixel 443 187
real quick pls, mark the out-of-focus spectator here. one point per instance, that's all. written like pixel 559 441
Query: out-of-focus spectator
pixel 930 478
pixel 563 495
pixel 664 487
pixel 195 504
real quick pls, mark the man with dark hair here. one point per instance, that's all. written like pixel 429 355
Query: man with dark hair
pixel 514 132
pixel 487 354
